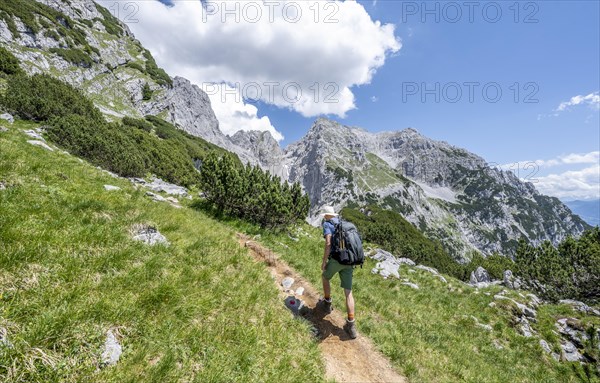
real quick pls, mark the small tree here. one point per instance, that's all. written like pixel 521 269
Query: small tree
pixel 147 92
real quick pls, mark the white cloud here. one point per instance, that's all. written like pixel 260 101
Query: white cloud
pixel 592 100
pixel 374 99
pixel 234 115
pixel 573 184
pixel 567 159
pixel 324 58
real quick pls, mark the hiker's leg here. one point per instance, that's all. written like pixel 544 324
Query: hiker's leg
pixel 326 287
pixel 349 303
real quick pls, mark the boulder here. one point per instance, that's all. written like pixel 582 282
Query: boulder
pixel 3 129
pixel 570 352
pixel 158 185
pixel 111 188
pixel 8 117
pixel 149 235
pixel 387 268
pixel 479 275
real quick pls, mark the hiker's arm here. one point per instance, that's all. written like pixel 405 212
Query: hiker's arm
pixel 327 250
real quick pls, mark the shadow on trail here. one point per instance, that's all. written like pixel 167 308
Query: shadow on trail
pixel 323 324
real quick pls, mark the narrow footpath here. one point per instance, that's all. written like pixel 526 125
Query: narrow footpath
pixel 346 360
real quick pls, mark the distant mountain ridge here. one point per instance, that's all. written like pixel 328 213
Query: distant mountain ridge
pixel 449 193
pixel 588 210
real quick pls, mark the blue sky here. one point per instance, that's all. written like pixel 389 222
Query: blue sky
pixel 560 54
pixel 549 51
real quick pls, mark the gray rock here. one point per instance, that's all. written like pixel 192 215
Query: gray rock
pixel 525 310
pixel 8 117
pixel 480 275
pixel 41 144
pixel 497 344
pixel 112 349
pixel 3 129
pixel 386 269
pixel 534 300
pixel 547 349
pixel 156 197
pixel 570 352
pixel 525 328
pixel 299 291
pixel 406 261
pixel 545 346
pixel 158 185
pixel 287 283
pixel 570 332
pixel 111 188
pixel 173 200
pixel 36 134
pixel 428 269
pixel 411 285
pixel 511 281
pixel 149 235
pixel 580 306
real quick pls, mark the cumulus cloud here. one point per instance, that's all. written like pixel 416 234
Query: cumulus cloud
pixel 301 55
pixel 592 100
pixel 573 184
pixel 567 159
pixel 234 114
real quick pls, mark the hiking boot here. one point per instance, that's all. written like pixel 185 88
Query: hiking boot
pixel 326 307
pixel 350 328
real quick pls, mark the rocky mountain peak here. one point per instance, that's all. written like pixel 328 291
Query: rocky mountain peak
pixel 261 145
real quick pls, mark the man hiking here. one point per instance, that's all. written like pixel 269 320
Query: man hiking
pixel 330 267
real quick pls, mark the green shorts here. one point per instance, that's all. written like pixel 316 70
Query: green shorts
pixel 333 267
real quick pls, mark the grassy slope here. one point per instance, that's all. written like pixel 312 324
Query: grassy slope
pixel 428 333
pixel 199 310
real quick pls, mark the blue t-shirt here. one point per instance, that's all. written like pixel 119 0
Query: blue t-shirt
pixel 329 226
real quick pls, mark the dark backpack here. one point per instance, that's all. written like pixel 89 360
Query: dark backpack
pixel 346 245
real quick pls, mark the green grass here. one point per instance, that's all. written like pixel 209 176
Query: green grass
pixel 429 334
pixel 199 310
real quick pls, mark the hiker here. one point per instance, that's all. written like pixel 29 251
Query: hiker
pixel 330 267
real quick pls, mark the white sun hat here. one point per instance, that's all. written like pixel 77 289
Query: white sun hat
pixel 328 210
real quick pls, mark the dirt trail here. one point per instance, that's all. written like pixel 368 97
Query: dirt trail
pixel 346 360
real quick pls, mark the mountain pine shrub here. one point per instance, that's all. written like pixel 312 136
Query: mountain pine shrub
pixel 41 98
pixel 9 64
pixel 250 193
